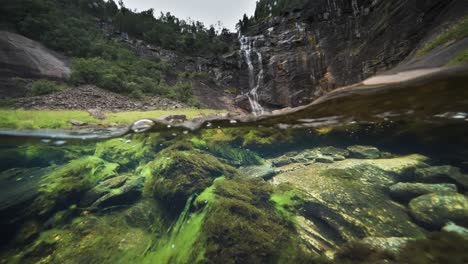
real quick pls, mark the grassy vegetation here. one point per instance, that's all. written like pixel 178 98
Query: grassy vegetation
pixel 460 58
pixel 457 32
pixel 24 119
pixel 43 87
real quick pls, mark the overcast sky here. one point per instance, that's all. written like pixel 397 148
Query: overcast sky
pixel 207 11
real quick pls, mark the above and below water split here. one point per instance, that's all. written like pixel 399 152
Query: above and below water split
pixel 354 177
pixel 432 96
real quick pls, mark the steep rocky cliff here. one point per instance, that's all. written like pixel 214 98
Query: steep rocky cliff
pixel 290 59
pixel 26 58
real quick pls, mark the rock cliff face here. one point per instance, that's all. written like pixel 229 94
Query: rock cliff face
pixel 332 43
pixel 26 58
pixel 23 57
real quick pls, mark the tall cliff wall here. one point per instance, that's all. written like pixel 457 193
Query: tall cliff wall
pixel 332 43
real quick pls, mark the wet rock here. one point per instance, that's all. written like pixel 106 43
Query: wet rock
pixel 28 232
pixel 435 210
pixel 388 244
pixel 324 159
pixel 441 174
pixel 144 214
pixel 454 228
pixel 98 114
pixel 407 191
pixel 282 161
pixel 264 171
pixel 174 118
pixel 332 151
pixel 77 123
pixel 346 199
pixel 364 152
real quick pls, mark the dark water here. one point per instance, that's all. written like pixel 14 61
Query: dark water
pixel 369 174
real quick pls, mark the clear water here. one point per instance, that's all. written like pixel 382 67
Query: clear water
pixel 361 176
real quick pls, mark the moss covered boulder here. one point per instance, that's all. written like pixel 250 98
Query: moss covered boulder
pixel 364 152
pixel 406 191
pixel 243 223
pixel 441 174
pixel 128 152
pixel 436 210
pixel 65 184
pixel 348 199
pixel 179 172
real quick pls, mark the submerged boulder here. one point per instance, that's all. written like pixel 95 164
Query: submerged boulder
pixel 407 191
pixel 65 185
pixel 176 174
pixel 435 210
pixel 127 194
pixel 454 228
pixel 441 174
pixel 264 171
pixel 126 152
pixel 387 244
pixel 364 152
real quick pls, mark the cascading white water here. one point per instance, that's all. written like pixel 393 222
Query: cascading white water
pixel 248 48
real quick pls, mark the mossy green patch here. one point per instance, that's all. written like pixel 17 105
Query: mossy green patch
pixel 287 200
pixel 208 196
pixel 88 239
pixel 177 174
pixel 66 183
pixel 242 225
pixel 231 154
pixel 126 152
pixel 182 243
pixel 32 119
pixel 460 58
pixel 456 32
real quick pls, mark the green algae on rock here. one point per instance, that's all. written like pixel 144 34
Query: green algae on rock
pixel 177 174
pixel 436 210
pixel 64 185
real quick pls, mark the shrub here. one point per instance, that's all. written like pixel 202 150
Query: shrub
pixel 43 87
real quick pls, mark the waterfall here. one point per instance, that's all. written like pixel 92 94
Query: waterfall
pixel 255 80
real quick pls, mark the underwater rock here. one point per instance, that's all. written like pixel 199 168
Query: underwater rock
pixel 114 182
pixel 66 184
pixel 176 174
pixel 264 171
pixel 282 161
pixel 364 152
pixel 28 231
pixel 347 199
pixel 126 153
pixel 333 151
pixel 438 174
pixel 102 189
pixel 324 159
pixel 61 218
pixel 127 194
pixel 452 227
pixel 388 244
pixel 406 191
pixel 435 210
pixel 144 214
